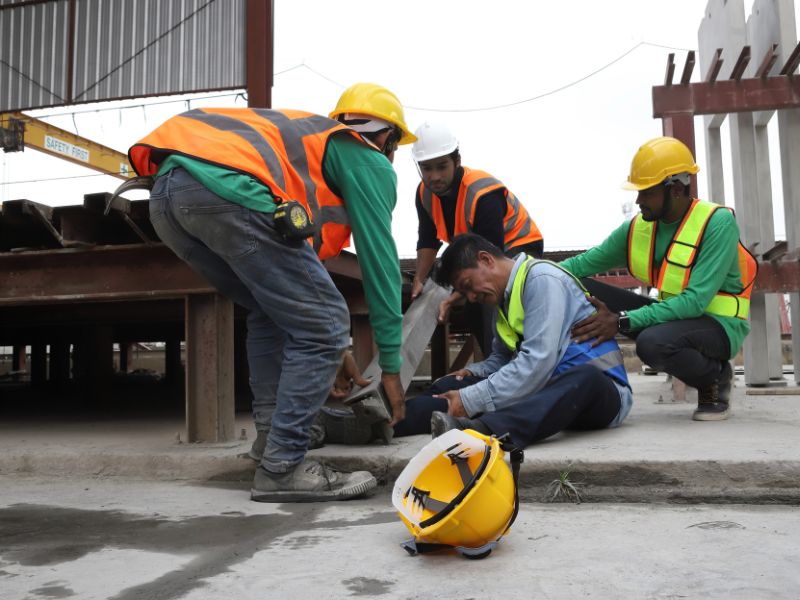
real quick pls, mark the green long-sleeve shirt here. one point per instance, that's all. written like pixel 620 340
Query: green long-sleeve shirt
pixel 716 268
pixel 367 182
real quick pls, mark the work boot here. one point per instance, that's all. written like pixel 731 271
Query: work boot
pixel 257 449
pixel 442 422
pixel 713 402
pixel 310 481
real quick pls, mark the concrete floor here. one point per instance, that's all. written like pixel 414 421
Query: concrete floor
pixel 124 540
pixel 659 453
pixel 105 506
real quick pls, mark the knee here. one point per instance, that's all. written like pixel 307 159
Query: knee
pixel 584 375
pixel 445 384
pixel 649 348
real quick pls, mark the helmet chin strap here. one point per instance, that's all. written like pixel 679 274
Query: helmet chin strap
pixel 391 139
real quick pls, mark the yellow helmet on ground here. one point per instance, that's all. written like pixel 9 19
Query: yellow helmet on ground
pixel 458 492
pixel 375 101
pixel 658 159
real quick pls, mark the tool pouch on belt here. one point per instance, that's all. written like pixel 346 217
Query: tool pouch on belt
pixel 293 222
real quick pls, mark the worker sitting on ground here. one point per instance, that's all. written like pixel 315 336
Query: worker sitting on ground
pixel 452 200
pixel 537 381
pixel 239 194
pixel 690 251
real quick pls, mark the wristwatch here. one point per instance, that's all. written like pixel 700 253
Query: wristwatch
pixel 623 322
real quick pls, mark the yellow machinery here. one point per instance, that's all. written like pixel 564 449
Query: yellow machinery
pixel 19 131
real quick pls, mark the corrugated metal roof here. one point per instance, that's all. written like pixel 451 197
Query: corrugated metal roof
pixel 33 55
pixel 122 49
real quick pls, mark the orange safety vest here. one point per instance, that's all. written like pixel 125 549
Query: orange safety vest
pixel 283 149
pixel 518 227
pixel 673 276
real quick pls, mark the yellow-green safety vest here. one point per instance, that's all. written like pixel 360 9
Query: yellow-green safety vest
pixel 673 276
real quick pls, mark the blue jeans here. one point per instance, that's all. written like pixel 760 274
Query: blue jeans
pixel 298 323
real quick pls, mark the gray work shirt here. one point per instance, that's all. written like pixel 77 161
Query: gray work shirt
pixel 553 303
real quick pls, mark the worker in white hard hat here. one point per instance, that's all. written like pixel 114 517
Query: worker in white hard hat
pixel 452 199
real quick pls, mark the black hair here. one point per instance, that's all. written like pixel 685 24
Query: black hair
pixel 462 253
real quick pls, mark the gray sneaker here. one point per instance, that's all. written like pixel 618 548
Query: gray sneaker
pixel 310 481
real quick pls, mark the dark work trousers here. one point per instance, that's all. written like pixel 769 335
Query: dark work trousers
pixel 581 398
pixel 419 409
pixel 693 350
pixel 480 316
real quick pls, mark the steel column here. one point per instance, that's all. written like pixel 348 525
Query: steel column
pixel 259 52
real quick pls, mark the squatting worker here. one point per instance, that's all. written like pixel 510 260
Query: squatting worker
pixel 451 200
pixel 689 250
pixel 221 175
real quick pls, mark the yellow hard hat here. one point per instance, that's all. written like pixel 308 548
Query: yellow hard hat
pixel 457 492
pixel 375 101
pixel 658 159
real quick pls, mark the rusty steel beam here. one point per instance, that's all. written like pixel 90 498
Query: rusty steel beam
pixel 25 224
pixel 670 69
pixel 104 273
pixel 259 35
pixel 792 61
pixel 767 62
pixel 716 65
pixel 741 63
pixel 345 264
pixel 78 228
pixel 779 276
pixel 722 97
pixel 127 222
pixel 688 67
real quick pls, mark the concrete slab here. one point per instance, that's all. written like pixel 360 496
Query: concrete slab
pixel 100 539
pixel 659 454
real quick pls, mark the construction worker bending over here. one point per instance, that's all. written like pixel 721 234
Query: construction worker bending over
pixel 232 188
pixel 452 200
pixel 688 249
pixel 537 381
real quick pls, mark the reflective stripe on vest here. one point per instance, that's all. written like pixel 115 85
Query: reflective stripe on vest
pixel 282 149
pixel 518 227
pixel 676 268
pixel 510 328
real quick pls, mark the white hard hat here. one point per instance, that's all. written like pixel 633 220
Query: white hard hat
pixel 433 140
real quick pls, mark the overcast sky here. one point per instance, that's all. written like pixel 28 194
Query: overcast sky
pixel 571 83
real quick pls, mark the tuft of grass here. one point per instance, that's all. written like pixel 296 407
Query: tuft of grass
pixel 562 489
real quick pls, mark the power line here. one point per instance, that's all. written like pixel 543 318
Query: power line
pixel 516 102
pixel 143 105
pixel 58 178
